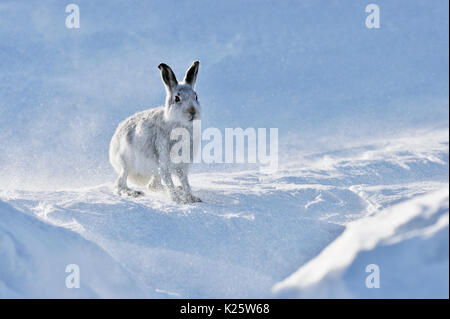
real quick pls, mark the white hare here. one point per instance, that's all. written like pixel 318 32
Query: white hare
pixel 140 148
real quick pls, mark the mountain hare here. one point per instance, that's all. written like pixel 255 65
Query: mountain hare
pixel 140 148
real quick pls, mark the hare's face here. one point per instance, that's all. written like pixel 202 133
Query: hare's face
pixel 182 105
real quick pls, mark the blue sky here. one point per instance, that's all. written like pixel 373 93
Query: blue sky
pixel 310 68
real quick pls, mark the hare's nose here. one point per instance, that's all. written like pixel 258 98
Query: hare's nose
pixel 192 110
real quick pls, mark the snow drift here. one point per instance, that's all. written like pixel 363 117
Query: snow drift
pixel 408 242
pixel 34 256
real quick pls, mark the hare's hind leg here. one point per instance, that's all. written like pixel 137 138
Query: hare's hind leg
pixel 155 183
pixel 121 186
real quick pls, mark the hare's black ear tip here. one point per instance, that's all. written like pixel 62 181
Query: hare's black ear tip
pixel 162 65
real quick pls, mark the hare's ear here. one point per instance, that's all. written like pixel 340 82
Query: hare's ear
pixel 191 74
pixel 168 77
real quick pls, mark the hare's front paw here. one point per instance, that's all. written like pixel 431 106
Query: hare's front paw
pixel 176 196
pixel 192 199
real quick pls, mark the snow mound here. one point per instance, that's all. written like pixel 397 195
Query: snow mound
pixel 34 256
pixel 408 242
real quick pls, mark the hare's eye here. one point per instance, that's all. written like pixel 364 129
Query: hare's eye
pixel 196 97
pixel 177 99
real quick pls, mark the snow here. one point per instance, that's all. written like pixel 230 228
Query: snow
pixel 34 256
pixel 409 243
pixel 252 231
pixel 362 118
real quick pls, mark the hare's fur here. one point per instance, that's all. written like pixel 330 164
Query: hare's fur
pixel 140 147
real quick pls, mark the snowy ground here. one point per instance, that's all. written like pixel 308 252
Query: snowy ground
pixel 405 247
pixel 252 231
